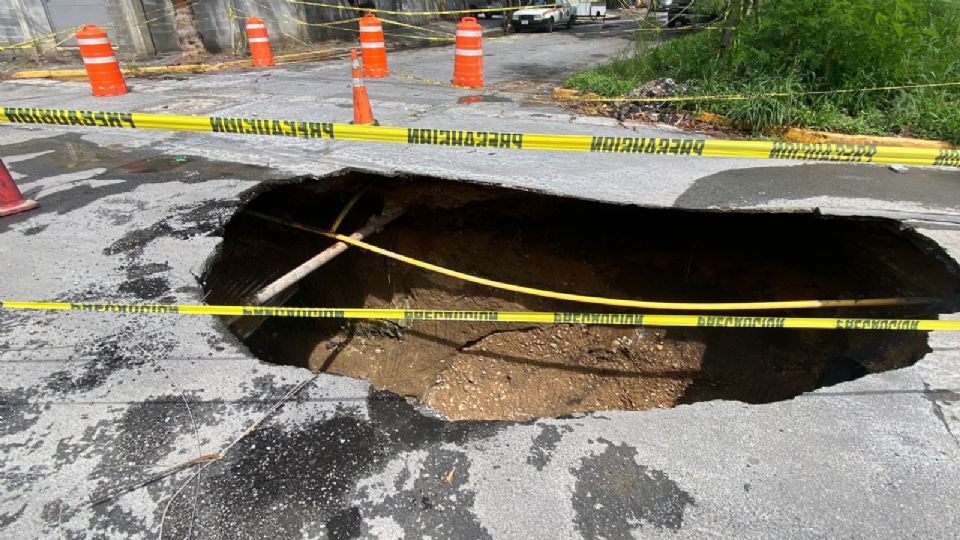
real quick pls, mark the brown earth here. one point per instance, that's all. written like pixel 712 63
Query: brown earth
pixel 495 370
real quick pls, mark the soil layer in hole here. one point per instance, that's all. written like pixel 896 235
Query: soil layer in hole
pixel 487 370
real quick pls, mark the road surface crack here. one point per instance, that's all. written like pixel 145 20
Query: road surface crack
pixel 935 397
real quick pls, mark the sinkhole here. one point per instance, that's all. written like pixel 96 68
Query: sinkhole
pixel 518 371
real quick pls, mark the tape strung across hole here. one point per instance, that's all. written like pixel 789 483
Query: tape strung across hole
pixel 541 317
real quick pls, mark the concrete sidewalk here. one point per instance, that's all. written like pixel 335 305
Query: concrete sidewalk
pixel 90 403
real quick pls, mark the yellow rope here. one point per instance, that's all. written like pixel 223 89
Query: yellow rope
pixel 672 306
pixel 407 25
pixel 346 209
pixel 33 42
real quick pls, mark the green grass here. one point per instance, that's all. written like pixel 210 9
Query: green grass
pixel 794 49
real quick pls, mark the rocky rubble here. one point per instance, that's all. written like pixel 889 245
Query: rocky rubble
pixel 655 111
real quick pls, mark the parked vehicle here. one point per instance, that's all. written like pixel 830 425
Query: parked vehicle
pixel 595 9
pixel 544 14
pixel 683 13
pixel 486 4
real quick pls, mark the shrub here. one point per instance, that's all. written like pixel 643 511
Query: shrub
pixel 800 46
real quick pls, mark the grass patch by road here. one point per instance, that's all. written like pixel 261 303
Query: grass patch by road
pixel 797 46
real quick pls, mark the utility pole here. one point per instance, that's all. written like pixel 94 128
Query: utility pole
pixel 507 16
pixel 734 17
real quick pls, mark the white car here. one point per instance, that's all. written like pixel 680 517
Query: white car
pixel 545 14
pixel 486 5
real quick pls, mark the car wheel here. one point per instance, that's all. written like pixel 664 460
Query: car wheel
pixel 516 27
pixel 571 20
pixel 487 15
pixel 550 25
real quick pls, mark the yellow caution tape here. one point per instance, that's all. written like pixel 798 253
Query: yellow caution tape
pixel 415 27
pixel 416 13
pixel 544 317
pixel 848 153
pixel 34 40
pixel 334 25
pixel 71 32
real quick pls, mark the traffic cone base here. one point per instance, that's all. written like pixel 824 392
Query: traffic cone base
pixel 11 201
pixel 362 113
pixel 16 208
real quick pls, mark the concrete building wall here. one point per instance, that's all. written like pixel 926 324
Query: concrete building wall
pixel 160 21
pixel 222 22
pixel 320 14
pixel 143 28
pixel 129 31
pixel 22 20
pixel 316 15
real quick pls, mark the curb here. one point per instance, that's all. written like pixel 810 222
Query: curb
pixel 569 94
pixel 205 68
pixel 800 135
pixel 791 134
pixel 810 136
pixel 161 70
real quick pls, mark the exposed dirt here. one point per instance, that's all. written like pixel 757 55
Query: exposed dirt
pixel 493 370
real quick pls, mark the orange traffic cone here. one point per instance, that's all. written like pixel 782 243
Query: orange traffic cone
pixel 259 42
pixel 102 67
pixel 11 201
pixel 362 114
pixel 373 47
pixel 468 54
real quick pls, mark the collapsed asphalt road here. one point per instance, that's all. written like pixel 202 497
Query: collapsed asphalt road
pixel 92 403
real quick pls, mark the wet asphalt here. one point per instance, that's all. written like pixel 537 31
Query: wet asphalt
pixel 93 403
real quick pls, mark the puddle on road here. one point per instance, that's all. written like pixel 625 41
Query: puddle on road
pixel 70 151
pixel 130 167
pixel 520 371
pixel 483 99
